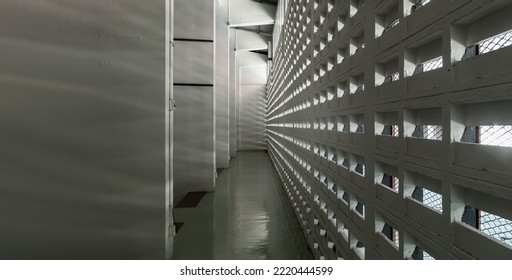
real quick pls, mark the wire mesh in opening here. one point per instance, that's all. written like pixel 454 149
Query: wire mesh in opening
pixel 391 130
pixel 495 43
pixel 391 25
pixel 419 5
pixel 429 198
pixel 391 182
pixel 430 132
pixel 420 254
pixel 391 78
pixel 496 135
pixel 496 227
pixel 433 64
pixel 392 234
pixel 493 135
pixel 489 224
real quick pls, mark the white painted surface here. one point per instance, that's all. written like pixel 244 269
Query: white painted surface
pixel 193 139
pixel 475 91
pixel 250 40
pixel 250 13
pixel 194 118
pixel 194 62
pixel 252 77
pixel 194 19
pixel 83 116
pixel 252 131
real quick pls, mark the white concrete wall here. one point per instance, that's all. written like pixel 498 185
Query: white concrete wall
pixel 247 12
pixel 247 40
pixel 83 125
pixel 461 93
pixel 251 81
pixel 194 92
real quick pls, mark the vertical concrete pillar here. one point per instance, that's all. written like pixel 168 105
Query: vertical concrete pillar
pixel 222 83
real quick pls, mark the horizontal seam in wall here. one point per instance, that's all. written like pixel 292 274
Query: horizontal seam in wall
pixel 193 85
pixel 193 40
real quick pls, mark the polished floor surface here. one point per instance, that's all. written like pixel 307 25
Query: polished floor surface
pixel 248 217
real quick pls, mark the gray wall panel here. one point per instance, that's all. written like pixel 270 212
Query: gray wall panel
pixel 193 140
pixel 252 117
pixel 194 118
pixel 194 62
pixel 82 121
pixel 194 19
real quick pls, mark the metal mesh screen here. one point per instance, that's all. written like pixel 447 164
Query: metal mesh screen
pixel 433 64
pixel 433 132
pixel 391 25
pixel 419 5
pixel 496 226
pixel 433 200
pixel 496 135
pixel 495 43
pixel 391 130
pixel 429 198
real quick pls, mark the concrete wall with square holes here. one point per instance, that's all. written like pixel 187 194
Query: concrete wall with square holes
pixel 328 108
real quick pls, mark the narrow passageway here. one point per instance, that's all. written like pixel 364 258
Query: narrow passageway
pixel 247 217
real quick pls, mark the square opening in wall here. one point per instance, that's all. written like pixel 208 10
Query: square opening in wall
pixel 342 89
pixel 358 207
pixel 472 37
pixel 357 123
pixel 489 224
pixel 424 123
pixel 421 254
pixel 387 70
pixel 343 52
pixel 424 56
pixel 488 214
pixel 343 230
pixel 356 6
pixel 343 159
pixel 392 234
pixel 358 247
pixel 357 42
pixel 387 17
pixel 357 83
pixel 424 189
pixel 411 6
pixel 488 123
pixel 343 195
pixel 387 176
pixel 343 123
pixel 387 124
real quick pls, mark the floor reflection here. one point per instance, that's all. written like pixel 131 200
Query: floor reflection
pixel 247 217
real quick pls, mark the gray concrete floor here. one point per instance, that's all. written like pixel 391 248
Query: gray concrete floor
pixel 248 217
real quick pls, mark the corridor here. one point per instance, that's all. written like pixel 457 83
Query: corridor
pixel 247 217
